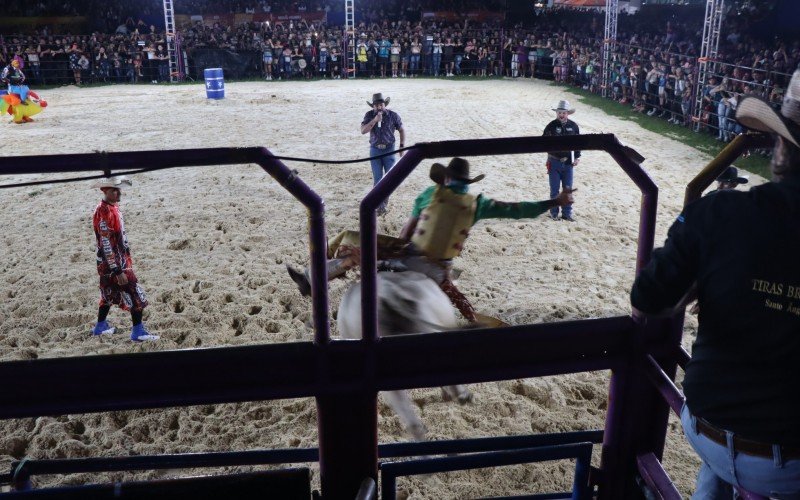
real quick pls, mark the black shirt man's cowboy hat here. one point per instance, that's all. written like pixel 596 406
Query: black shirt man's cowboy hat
pixel 563 105
pixel 731 175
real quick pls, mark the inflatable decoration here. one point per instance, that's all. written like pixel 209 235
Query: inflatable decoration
pixel 22 112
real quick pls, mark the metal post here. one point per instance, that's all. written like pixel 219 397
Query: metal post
pixel 347 458
pixel 350 30
pixel 609 43
pixel 169 27
pixel 706 63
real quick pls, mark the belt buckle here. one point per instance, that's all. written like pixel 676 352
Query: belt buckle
pixel 381 146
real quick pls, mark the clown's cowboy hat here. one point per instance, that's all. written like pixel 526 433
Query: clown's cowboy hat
pixel 458 169
pixel 376 98
pixel 113 182
pixel 563 105
pixel 757 114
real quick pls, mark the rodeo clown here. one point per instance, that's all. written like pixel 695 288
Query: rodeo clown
pixel 20 102
pixel 118 282
pixel 435 232
pixel 15 79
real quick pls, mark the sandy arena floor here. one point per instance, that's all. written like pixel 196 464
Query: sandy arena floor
pixel 211 244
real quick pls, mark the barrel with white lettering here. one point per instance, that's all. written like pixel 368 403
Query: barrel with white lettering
pixel 215 83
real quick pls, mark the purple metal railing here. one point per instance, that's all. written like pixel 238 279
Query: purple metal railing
pixel 628 160
pixel 344 376
pixel 123 161
pixel 485 147
pixel 656 478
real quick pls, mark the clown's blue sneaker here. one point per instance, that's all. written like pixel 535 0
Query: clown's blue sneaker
pixel 140 334
pixel 103 328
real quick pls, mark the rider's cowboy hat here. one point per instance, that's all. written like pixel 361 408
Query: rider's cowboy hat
pixel 113 182
pixel 376 98
pixel 757 114
pixel 564 106
pixel 458 168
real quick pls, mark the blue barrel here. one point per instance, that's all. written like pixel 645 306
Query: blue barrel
pixel 215 83
pixel 3 91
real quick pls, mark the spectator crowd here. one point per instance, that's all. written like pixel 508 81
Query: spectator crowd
pixel 654 65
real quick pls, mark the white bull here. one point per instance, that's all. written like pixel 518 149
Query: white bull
pixel 408 302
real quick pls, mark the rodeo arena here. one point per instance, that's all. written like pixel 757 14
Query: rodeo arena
pixel 304 301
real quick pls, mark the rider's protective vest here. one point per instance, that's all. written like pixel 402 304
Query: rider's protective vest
pixel 444 225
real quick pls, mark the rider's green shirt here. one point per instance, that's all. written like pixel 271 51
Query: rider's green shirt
pixel 487 207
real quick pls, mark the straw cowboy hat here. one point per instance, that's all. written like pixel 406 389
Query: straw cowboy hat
pixel 563 105
pixel 731 175
pixel 757 114
pixel 376 98
pixel 458 168
pixel 113 182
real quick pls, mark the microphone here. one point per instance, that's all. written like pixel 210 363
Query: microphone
pixel 380 115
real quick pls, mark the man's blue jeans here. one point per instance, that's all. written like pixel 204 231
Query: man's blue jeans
pixel 381 166
pixel 437 62
pixel 414 64
pixel 723 467
pixel 560 176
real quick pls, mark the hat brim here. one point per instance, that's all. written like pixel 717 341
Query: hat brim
pixel 756 114
pixel 385 102
pixel 105 184
pixel 569 111
pixel 439 172
pixel 736 180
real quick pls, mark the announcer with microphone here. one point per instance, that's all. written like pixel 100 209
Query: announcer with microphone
pixel 381 124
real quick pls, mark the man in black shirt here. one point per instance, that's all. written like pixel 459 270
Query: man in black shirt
pixel 560 163
pixel 742 249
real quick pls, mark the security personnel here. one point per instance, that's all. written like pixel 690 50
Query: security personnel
pixel 560 163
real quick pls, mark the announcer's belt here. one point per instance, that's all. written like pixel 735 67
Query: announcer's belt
pixel 562 160
pixel 742 445
pixel 383 146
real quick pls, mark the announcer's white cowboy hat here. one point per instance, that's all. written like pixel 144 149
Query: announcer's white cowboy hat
pixel 564 106
pixel 757 114
pixel 113 182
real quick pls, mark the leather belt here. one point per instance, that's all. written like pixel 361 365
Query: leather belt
pixel 742 445
pixel 562 160
pixel 382 146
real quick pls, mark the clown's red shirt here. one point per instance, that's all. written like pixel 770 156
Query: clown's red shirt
pixel 113 253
